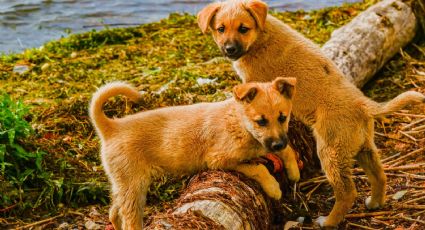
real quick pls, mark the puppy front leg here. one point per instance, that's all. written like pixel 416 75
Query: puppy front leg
pixel 368 159
pixel 289 158
pixel 259 173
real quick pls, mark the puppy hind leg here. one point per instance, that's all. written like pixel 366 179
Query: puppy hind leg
pixel 114 217
pixel 369 160
pixel 338 172
pixel 132 200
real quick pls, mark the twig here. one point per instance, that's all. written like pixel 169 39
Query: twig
pixel 380 221
pixel 308 195
pixel 313 181
pixel 302 200
pixel 40 222
pixel 409 115
pixel 422 127
pixel 390 157
pixel 8 208
pixel 419 48
pixel 418 213
pixel 406 175
pixel 383 135
pixel 414 220
pixel 405 156
pixel 414 176
pixel 412 124
pixel 415 186
pixel 360 226
pixel 413 83
pixel 405 167
pixel 367 214
pixel 414 131
pixel 408 206
pixel 414 200
pixel 75 213
pixel 286 207
pixel 408 136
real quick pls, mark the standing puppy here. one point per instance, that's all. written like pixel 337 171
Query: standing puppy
pixel 187 139
pixel 262 47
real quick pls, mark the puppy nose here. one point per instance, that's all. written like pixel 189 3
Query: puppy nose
pixel 230 49
pixel 278 145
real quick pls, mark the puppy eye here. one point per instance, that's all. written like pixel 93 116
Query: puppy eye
pixel 243 29
pixel 220 29
pixel 281 118
pixel 262 122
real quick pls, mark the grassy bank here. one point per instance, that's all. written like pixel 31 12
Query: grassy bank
pixel 169 61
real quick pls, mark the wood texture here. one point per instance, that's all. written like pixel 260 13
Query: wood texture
pixel 364 45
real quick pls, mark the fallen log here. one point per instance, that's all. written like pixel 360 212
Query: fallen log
pixel 365 44
pixel 216 200
pixel 359 49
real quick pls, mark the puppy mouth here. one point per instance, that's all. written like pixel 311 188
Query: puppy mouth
pixel 276 145
pixel 234 57
pixel 233 52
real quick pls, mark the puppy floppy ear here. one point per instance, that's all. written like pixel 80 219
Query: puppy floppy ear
pixel 258 10
pixel 206 15
pixel 245 92
pixel 285 86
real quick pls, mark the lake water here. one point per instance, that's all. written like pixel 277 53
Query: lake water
pixel 30 23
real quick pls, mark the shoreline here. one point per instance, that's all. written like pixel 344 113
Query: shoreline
pixel 31 25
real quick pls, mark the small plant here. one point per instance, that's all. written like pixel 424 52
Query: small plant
pixel 19 168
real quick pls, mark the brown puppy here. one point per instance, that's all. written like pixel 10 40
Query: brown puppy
pixel 262 47
pixel 187 139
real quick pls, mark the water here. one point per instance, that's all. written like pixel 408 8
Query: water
pixel 30 23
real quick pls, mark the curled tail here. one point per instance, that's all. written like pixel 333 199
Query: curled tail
pixel 103 124
pixel 398 103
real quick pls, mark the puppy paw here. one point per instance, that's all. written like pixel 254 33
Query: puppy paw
pixel 294 174
pixel 371 205
pixel 272 189
pixel 321 221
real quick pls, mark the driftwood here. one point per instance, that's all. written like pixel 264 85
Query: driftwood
pixel 376 35
pixel 218 200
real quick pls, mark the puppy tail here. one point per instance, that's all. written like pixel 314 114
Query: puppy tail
pixel 103 124
pixel 398 103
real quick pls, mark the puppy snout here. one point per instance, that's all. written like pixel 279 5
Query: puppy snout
pixel 275 145
pixel 231 49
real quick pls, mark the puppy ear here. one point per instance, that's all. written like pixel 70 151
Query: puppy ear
pixel 206 15
pixel 285 86
pixel 258 10
pixel 245 92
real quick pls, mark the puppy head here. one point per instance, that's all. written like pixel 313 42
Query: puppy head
pixel 235 24
pixel 266 108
